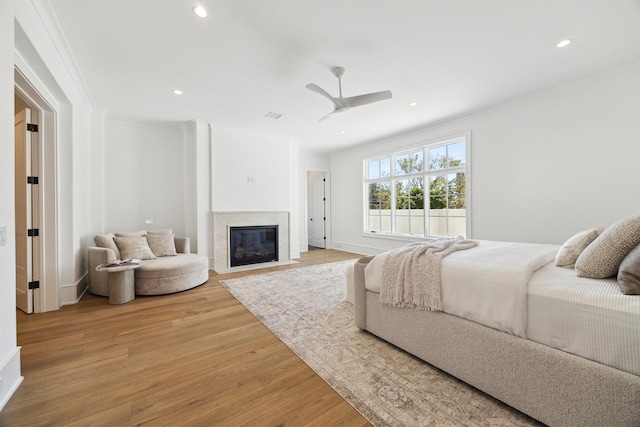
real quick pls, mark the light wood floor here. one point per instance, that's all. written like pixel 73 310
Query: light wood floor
pixel 196 358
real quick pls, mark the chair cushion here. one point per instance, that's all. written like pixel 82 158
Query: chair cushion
pixel 178 265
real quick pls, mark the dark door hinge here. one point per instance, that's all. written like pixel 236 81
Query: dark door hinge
pixel 32 128
pixel 32 180
pixel 33 232
pixel 34 285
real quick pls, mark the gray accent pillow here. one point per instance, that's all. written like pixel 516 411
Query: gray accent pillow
pixel 571 249
pixel 106 241
pixel 603 256
pixel 162 232
pixel 629 273
pixel 162 245
pixel 134 247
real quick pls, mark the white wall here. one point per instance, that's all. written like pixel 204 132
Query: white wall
pixel 239 157
pixel 144 176
pixel 543 168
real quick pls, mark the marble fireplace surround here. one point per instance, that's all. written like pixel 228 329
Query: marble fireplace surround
pixel 223 220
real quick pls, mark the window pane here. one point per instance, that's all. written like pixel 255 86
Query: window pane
pixel 437 192
pixel 437 158
pixel 447 156
pixel 379 168
pixel 438 223
pixel 373 169
pixel 410 193
pixel 410 206
pixel 456 154
pixel 380 207
pixel 409 163
pixel 385 167
pixel 456 184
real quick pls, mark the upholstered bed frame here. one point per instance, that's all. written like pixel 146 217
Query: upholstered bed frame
pixel 554 387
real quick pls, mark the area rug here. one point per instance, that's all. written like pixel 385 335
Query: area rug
pixel 305 308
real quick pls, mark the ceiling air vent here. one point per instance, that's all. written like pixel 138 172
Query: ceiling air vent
pixel 272 115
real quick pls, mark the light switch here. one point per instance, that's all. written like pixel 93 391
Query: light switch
pixel 3 235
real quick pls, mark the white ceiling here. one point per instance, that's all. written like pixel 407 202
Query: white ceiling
pixel 250 57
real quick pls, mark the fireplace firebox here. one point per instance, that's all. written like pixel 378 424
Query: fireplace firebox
pixel 253 244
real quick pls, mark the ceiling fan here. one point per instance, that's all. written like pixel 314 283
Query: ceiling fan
pixel 342 104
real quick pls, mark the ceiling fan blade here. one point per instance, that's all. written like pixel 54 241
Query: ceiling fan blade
pixel 356 101
pixel 339 109
pixel 327 116
pixel 317 89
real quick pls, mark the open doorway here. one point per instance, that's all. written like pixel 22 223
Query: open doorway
pixel 316 210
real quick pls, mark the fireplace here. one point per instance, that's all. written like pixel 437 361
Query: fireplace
pixel 253 244
pixel 223 222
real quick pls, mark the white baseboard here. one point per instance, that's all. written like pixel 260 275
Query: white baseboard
pixel 10 378
pixel 356 249
pixel 71 294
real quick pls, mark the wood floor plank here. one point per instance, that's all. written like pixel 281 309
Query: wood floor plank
pixel 193 358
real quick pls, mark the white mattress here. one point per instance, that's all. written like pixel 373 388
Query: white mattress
pixel 486 284
pixel 590 318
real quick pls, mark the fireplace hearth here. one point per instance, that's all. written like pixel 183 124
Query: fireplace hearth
pixel 253 244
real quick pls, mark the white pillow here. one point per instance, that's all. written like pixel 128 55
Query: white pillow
pixel 571 249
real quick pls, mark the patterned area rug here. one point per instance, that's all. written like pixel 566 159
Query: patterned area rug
pixel 305 308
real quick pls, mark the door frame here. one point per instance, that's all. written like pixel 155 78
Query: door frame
pixel 327 206
pixel 47 297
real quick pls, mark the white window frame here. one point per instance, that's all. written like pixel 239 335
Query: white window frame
pixel 393 178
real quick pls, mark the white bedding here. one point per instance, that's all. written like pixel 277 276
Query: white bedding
pixel 590 318
pixel 486 284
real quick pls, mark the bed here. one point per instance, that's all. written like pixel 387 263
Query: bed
pixel 563 349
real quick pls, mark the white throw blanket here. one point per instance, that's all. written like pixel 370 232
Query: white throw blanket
pixel 411 275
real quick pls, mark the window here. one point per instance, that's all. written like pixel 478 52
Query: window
pixel 420 192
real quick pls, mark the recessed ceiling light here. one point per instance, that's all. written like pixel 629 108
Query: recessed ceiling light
pixel 564 43
pixel 413 104
pixel 341 132
pixel 177 91
pixel 200 11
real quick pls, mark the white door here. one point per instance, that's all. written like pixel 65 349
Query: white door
pixel 26 247
pixel 317 218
